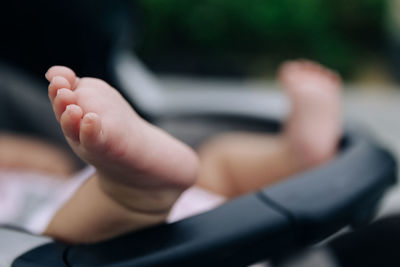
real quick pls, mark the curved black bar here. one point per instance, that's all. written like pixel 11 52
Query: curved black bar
pixel 295 213
pixel 216 238
pixel 344 191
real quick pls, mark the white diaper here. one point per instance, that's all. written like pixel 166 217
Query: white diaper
pixel 30 200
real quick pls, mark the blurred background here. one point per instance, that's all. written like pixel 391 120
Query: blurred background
pixel 207 38
pixel 358 38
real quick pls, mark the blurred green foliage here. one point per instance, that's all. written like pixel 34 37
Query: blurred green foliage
pixel 337 33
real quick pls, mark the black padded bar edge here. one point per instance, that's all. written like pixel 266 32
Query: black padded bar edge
pixel 345 191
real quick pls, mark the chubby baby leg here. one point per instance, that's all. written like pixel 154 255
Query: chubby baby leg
pixel 236 163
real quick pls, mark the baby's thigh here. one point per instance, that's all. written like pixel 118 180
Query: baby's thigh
pixel 31 154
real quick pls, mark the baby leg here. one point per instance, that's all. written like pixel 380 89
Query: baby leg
pixel 29 154
pixel 237 163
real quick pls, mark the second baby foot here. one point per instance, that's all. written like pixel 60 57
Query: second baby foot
pixel 314 125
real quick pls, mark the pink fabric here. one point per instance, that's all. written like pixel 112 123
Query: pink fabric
pixel 194 201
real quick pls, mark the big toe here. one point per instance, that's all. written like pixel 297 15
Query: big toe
pixel 62 71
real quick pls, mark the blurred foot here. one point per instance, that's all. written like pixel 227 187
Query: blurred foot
pixel 314 125
pixel 238 163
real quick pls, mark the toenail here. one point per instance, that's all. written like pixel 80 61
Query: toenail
pixel 88 120
pixel 60 78
pixel 89 117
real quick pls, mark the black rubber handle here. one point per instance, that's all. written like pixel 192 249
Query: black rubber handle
pixel 344 191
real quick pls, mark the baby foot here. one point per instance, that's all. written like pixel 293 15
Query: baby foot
pixel 138 165
pixel 314 125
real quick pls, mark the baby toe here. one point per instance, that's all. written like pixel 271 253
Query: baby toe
pixel 64 97
pixel 70 121
pixel 91 132
pixel 62 71
pixel 57 83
